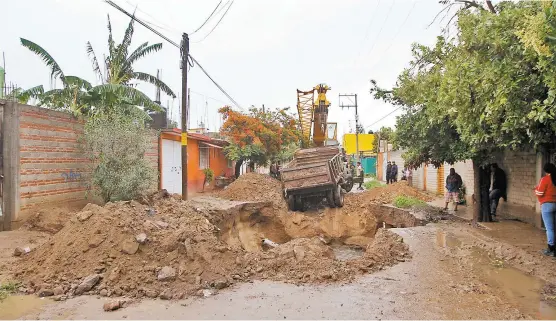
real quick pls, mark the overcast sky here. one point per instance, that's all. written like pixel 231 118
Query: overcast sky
pixel 260 53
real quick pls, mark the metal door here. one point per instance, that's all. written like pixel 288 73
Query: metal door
pixel 171 166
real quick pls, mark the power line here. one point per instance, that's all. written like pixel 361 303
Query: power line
pixel 229 6
pixel 381 27
pixel 110 2
pixel 396 35
pixel 367 32
pixel 211 14
pixel 390 113
pixel 167 27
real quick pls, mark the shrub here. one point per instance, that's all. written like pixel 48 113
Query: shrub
pixel 209 175
pixel 403 201
pixel 372 184
pixel 116 147
pixel 8 288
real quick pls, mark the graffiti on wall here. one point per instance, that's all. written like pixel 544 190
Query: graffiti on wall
pixel 71 176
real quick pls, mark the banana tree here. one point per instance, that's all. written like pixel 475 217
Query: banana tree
pixel 119 64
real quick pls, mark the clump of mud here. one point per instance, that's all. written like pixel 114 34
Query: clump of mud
pixel 256 187
pixel 385 195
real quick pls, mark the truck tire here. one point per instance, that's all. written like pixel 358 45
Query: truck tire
pixel 291 203
pixel 330 198
pixel 338 196
pixel 348 185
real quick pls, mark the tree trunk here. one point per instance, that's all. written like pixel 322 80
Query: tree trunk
pixel 490 6
pixel 238 167
pixel 481 203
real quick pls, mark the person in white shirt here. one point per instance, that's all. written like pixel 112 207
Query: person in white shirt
pixel 359 173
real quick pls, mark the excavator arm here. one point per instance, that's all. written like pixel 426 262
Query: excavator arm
pixel 313 114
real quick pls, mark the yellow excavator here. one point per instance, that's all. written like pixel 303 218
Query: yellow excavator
pixel 317 171
pixel 313 114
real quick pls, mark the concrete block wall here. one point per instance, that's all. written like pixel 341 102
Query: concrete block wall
pixel 52 168
pixel 43 158
pixel 522 173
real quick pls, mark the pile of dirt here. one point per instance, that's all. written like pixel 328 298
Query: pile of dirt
pixel 385 195
pixel 165 247
pixel 312 260
pixel 255 187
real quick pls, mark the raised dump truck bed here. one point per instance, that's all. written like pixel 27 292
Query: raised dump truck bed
pixel 314 173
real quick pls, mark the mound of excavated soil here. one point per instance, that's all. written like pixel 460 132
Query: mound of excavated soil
pixel 173 248
pixel 255 187
pixel 385 195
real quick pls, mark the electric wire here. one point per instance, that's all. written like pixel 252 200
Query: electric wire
pixel 110 2
pixel 367 32
pixel 381 28
pixel 159 24
pixel 395 36
pixel 210 16
pixel 384 117
pixel 225 12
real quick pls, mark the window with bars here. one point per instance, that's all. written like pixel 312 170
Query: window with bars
pixel 204 157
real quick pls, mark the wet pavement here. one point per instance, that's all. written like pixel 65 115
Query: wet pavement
pixel 449 277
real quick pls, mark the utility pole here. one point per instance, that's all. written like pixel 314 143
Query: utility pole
pixel 352 105
pixel 184 49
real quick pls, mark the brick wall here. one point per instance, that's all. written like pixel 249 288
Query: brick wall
pixel 51 166
pixel 521 172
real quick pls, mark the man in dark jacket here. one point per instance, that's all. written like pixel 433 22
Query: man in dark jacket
pixel 498 186
pixel 453 185
pixel 389 173
pixel 394 173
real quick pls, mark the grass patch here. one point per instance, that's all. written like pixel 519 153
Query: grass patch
pixel 372 184
pixel 370 175
pixel 7 289
pixel 403 201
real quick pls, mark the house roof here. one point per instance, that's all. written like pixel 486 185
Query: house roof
pixel 199 137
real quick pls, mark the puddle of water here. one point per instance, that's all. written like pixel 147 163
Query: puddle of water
pixel 520 288
pixel 346 252
pixel 17 306
pixel 446 240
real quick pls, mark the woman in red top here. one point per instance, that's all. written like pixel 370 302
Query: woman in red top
pixel 546 193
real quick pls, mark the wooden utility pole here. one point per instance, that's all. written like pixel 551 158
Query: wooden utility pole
pixel 353 105
pixel 184 112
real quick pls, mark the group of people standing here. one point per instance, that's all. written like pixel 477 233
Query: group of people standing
pixel 391 172
pixel 545 192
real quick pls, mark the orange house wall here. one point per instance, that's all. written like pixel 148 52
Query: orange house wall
pixel 195 177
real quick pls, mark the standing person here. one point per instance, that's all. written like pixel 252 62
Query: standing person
pixel 360 174
pixel 497 188
pixel 453 184
pixel 394 173
pixel 409 175
pixel 546 193
pixel 388 172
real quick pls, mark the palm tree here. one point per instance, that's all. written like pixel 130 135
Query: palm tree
pixel 119 64
pixel 116 90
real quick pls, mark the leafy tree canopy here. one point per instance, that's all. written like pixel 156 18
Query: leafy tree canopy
pixel 490 88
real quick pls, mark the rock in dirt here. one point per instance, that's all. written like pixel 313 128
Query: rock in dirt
pixel 58 290
pixel 112 306
pixel 221 284
pixel 141 238
pixel 84 215
pixel 87 284
pixel 45 292
pixel 19 251
pixel 166 295
pixel 166 274
pixel 130 246
pixel 361 241
pixel 161 224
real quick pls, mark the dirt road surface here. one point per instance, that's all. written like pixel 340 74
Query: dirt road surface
pixel 442 281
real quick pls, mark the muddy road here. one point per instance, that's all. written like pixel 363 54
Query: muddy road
pixel 442 281
pixel 204 259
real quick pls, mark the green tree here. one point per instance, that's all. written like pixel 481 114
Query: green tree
pixel 478 94
pixel 116 146
pixel 384 133
pixel 116 90
pixel 259 136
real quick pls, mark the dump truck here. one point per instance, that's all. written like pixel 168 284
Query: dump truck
pixel 315 174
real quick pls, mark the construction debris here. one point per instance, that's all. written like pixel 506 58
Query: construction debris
pixel 199 247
